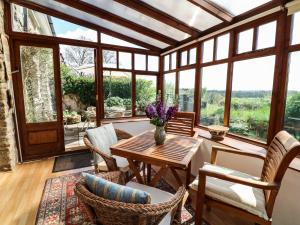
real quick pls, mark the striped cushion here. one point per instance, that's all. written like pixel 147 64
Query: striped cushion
pixel 116 192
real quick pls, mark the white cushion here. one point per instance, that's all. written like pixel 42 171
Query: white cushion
pixel 241 196
pixel 157 196
pixel 122 163
pixel 102 137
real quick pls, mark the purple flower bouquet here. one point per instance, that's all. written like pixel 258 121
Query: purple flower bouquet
pixel 159 114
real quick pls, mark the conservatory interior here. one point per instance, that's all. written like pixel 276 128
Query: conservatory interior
pixel 147 112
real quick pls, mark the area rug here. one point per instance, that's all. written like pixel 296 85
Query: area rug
pixel 59 205
pixel 72 161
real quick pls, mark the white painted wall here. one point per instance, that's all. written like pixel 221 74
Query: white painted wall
pixel 287 206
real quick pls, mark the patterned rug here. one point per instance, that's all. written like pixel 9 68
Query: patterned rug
pixel 59 205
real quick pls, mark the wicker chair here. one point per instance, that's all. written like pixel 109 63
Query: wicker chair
pixel 238 193
pixel 110 161
pixel 108 212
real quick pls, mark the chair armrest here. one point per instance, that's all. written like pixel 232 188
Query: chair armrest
pixel 196 134
pixel 216 149
pixel 235 179
pixel 122 134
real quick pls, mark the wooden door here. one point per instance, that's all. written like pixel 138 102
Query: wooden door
pixel 38 100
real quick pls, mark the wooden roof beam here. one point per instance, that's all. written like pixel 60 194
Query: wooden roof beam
pixel 103 14
pixel 72 19
pixel 150 11
pixel 213 9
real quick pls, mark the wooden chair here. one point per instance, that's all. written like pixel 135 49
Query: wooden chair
pixel 182 124
pixel 110 161
pixel 165 208
pixel 252 198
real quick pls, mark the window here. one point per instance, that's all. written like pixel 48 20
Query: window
pixel 109 59
pixel 139 62
pixel 245 41
pixel 107 39
pixel 167 62
pixel 125 60
pixel 192 56
pixel 173 60
pixel 183 59
pixel 213 94
pixel 117 94
pixel 251 97
pixel 186 90
pixel 169 88
pixel 295 39
pixel 208 51
pixel 292 108
pixel 153 63
pixel 145 92
pixel 266 35
pixel 31 21
pixel 223 46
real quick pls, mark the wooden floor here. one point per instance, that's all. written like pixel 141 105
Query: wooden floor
pixel 21 191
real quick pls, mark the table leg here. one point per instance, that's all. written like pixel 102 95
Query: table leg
pixel 177 178
pixel 136 171
pixel 148 173
pixel 188 175
pixel 157 176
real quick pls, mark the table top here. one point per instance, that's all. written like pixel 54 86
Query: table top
pixel 177 150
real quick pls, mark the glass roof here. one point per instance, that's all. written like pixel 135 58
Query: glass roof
pixel 235 8
pixel 107 39
pixel 186 11
pixel 101 22
pixel 139 18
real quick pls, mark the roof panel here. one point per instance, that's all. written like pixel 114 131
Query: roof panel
pixel 101 22
pixel 235 8
pixel 139 18
pixel 187 12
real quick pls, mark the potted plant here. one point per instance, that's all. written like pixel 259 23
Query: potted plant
pixel 159 115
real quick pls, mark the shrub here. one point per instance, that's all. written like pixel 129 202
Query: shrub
pixel 114 101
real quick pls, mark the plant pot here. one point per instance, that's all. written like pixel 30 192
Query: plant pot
pixel 160 135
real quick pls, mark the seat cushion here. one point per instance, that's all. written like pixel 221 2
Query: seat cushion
pixel 238 195
pixel 116 192
pixel 157 196
pixel 102 137
pixel 122 163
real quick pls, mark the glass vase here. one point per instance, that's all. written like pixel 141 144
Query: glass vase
pixel 160 135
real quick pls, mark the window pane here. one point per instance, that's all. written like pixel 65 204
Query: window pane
pixel 296 29
pixel 292 108
pixel 153 63
pixel 251 97
pixel 183 58
pixel 173 60
pixel 208 51
pixel 145 92
pixel 107 39
pixel 186 90
pixel 109 59
pixel 169 88
pixel 266 35
pixel 139 62
pixel 38 84
pixel 167 63
pixel 213 94
pixel 192 57
pixel 125 60
pixel 223 46
pixel 31 21
pixel 117 94
pixel 245 41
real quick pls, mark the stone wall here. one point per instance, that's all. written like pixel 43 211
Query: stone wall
pixel 8 149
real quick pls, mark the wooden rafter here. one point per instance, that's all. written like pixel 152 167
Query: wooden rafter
pixel 213 9
pixel 150 11
pixel 103 14
pixel 52 12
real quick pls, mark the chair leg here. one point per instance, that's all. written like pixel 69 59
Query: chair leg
pixel 200 199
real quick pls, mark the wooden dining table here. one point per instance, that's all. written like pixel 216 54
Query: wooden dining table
pixel 175 154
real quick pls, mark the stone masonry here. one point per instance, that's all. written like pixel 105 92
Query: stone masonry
pixel 8 149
